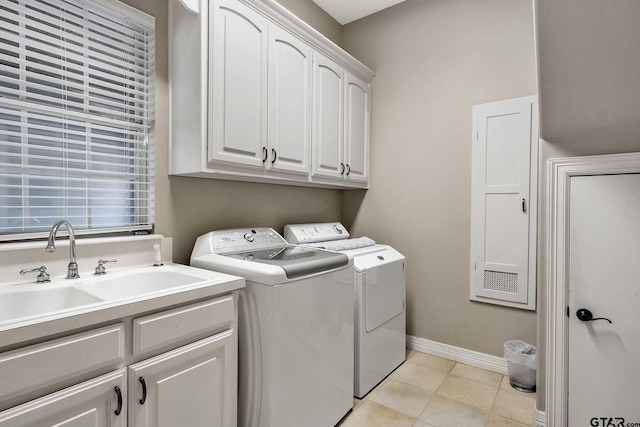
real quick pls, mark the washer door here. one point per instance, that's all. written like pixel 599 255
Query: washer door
pixel 384 288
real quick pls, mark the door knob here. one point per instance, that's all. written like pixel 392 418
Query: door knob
pixel 586 315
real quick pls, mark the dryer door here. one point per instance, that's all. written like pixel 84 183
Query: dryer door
pixel 384 287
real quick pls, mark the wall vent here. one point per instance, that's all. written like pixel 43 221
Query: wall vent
pixel 501 281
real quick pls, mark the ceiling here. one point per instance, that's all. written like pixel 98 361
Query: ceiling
pixel 345 11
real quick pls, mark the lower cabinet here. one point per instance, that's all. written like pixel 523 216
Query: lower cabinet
pixel 100 402
pixel 193 386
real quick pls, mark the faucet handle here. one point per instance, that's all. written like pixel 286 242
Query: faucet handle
pixel 43 276
pixel 100 268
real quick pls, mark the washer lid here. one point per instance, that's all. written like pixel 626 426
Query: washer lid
pixel 296 261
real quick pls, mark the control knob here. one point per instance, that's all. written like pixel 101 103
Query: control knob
pixel 338 229
pixel 248 237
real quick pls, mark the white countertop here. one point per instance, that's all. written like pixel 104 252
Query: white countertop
pixel 34 327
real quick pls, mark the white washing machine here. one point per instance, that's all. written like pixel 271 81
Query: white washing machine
pixel 379 284
pixel 296 327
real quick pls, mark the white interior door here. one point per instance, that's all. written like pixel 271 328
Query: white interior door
pixel 604 277
pixel 500 201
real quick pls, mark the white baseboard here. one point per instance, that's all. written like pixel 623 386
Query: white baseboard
pixel 539 418
pixel 458 354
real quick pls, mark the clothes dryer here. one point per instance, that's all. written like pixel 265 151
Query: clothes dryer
pixel 296 327
pixel 379 287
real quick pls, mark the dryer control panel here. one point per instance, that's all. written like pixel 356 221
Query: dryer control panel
pixel 311 233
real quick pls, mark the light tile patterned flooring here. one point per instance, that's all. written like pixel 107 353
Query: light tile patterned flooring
pixel 429 391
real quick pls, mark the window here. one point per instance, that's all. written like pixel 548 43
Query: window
pixel 76 115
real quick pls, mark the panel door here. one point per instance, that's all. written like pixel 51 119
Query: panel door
pixel 501 163
pixel 289 112
pixel 92 403
pixel 238 95
pixel 193 386
pixel 604 243
pixel 356 129
pixel 328 118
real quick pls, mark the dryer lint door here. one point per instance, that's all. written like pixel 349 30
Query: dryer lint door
pixel 384 287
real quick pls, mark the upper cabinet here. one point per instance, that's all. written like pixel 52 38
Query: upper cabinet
pixel 341 123
pixel 238 97
pixel 289 108
pixel 258 95
pixel 356 150
pixel 328 118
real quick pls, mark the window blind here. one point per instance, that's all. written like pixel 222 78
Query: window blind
pixel 76 116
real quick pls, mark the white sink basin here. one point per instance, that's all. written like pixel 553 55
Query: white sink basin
pixel 18 304
pixel 61 297
pixel 123 285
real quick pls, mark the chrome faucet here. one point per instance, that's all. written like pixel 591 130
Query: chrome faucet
pixel 72 270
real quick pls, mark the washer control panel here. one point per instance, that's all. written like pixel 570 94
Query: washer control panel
pixel 246 239
pixel 310 233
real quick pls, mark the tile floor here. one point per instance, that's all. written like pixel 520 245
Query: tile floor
pixel 429 391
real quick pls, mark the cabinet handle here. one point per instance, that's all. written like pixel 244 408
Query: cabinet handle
pixel 348 169
pixel 266 154
pixel 119 396
pixel 341 168
pixel 144 390
pixel 274 156
pixel 524 206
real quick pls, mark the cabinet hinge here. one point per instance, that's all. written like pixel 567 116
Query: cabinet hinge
pixel 475 265
pixel 477 135
pixel 568 315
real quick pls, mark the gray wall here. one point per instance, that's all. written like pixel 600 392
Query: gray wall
pixel 589 56
pixel 316 17
pixel 189 207
pixel 433 60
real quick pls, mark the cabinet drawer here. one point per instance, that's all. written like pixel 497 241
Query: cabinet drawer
pixel 48 363
pixel 161 329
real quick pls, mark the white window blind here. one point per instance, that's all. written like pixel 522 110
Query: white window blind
pixel 76 114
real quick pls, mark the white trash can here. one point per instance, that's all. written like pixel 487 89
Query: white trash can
pixel 521 359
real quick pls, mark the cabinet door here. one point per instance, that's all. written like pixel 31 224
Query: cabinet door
pixel 328 151
pixel 356 129
pixel 289 102
pixel 503 214
pixel 238 98
pixel 193 386
pixel 90 404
